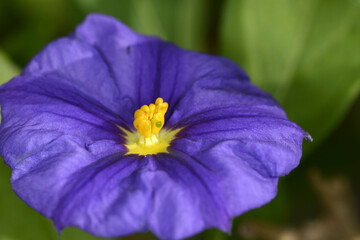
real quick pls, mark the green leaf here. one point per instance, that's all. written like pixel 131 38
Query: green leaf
pixel 8 69
pixel 18 221
pixel 28 25
pixel 184 22
pixel 305 53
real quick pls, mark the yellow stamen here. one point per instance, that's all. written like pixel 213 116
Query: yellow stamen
pixel 150 138
pixel 149 120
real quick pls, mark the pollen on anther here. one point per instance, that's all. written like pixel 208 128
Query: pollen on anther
pixel 149 119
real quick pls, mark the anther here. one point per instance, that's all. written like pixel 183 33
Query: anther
pixel 149 120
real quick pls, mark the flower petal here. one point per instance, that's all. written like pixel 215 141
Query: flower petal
pixel 241 135
pixel 217 110
pixel 108 199
pixel 221 96
pixel 73 70
pixel 33 118
pixel 146 67
pixel 185 200
pixel 231 172
pixel 73 188
pixel 119 195
pixel 65 90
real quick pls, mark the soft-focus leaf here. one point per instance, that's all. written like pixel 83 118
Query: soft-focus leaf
pixel 306 53
pixel 184 22
pixel 214 234
pixel 17 220
pixel 28 25
pixel 7 68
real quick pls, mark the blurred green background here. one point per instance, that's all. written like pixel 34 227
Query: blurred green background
pixel 305 53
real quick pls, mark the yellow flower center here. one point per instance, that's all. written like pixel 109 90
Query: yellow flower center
pixel 150 138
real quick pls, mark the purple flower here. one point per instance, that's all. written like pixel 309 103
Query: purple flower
pixel 67 133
